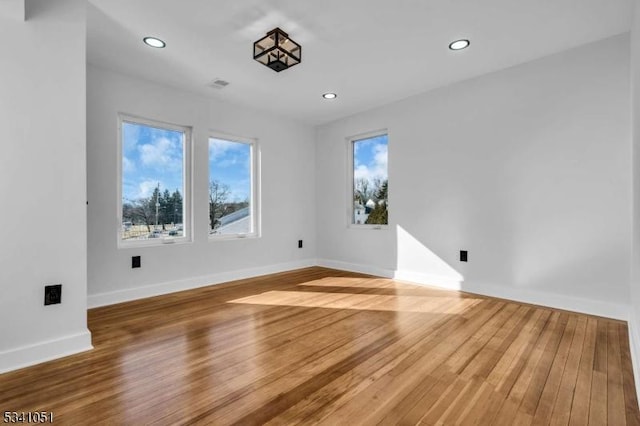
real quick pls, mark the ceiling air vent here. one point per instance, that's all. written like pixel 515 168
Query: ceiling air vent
pixel 218 83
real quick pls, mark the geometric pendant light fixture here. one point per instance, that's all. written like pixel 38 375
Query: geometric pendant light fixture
pixel 277 51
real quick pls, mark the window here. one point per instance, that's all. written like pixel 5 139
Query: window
pixel 233 191
pixel 369 180
pixel 154 184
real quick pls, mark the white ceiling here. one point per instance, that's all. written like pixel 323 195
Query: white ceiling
pixel 370 52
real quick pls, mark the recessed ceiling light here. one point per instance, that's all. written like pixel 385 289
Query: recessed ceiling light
pixel 154 42
pixel 459 44
pixel 329 96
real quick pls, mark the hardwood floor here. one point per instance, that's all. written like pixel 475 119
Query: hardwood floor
pixel 330 347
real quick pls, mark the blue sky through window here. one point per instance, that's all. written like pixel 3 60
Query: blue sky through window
pixel 370 159
pixel 151 156
pixel 230 165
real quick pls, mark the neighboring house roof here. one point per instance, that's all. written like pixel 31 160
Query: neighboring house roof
pixel 240 226
pixel 371 203
pixel 238 222
pixel 237 215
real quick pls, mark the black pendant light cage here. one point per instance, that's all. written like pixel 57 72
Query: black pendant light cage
pixel 277 51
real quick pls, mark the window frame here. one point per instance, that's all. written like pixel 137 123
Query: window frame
pixel 255 198
pixel 350 142
pixel 187 173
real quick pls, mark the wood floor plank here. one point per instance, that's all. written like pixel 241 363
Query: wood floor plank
pixel 447 399
pixel 399 381
pixel 359 378
pixel 536 387
pixel 400 410
pixel 485 360
pixel 463 355
pixel 562 407
pixel 547 400
pixel 477 407
pixel 528 387
pixel 630 399
pixel 457 409
pixel 598 401
pixel 356 380
pixel 507 413
pixel 579 413
pixel 484 413
pixel 615 391
pixel 508 369
pixel 269 408
pixel 320 346
pixel 429 399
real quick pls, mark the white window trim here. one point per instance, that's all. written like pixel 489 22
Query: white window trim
pixel 187 210
pixel 350 181
pixel 255 197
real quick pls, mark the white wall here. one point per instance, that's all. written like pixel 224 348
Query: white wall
pixel 527 168
pixel 288 199
pixel 42 183
pixel 634 316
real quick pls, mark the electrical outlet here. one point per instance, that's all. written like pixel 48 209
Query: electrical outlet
pixel 463 255
pixel 136 262
pixel 52 294
pixel 299 243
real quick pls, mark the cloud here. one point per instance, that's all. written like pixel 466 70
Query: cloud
pixel 161 153
pixel 146 187
pixel 231 160
pixel 381 157
pixel 131 135
pixel 376 168
pixel 128 166
pixel 240 190
pixel 361 144
pixel 219 148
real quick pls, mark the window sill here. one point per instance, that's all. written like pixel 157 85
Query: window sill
pixel 232 237
pixel 155 242
pixel 368 227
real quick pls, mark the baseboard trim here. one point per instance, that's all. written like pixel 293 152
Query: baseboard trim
pixel 355 267
pixel 550 300
pixel 127 295
pixel 634 345
pixel 428 280
pixel 26 356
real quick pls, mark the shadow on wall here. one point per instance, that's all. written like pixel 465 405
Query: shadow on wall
pixel 416 263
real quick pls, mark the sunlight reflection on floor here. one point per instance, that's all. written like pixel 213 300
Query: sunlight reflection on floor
pixel 359 283
pixel 374 302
